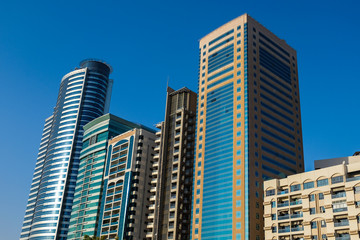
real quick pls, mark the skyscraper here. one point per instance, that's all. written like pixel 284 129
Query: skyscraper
pixel 89 186
pixel 170 208
pixel 83 96
pixel 248 127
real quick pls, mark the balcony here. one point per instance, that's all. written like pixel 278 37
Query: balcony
pixel 284 230
pixel 338 195
pixel 297 202
pixel 297 228
pixel 286 191
pixel 297 215
pixel 345 237
pixel 287 216
pixel 340 209
pixel 341 223
pixel 283 204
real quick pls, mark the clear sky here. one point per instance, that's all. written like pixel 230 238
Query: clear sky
pixel 148 42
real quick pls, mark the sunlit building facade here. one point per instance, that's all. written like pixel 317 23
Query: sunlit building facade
pixel 323 204
pixel 125 198
pixel 88 192
pixel 172 170
pixel 83 96
pixel 248 127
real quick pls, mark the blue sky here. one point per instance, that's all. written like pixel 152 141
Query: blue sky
pixel 148 42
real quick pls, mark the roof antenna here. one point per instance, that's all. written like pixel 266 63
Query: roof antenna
pixel 167 83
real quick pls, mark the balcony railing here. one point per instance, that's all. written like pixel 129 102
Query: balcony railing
pixel 283 192
pixel 338 195
pixel 283 204
pixel 340 209
pixel 287 216
pixel 297 202
pixel 284 230
pixel 353 179
pixel 346 237
pixel 298 228
pixel 341 223
pixel 296 215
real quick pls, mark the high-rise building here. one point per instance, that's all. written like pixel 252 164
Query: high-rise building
pixel 83 96
pixel 248 127
pixel 321 204
pixel 171 182
pixel 125 200
pixel 89 185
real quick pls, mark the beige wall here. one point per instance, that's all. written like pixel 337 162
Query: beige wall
pixel 340 195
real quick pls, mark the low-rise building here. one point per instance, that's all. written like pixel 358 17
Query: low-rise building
pixel 320 204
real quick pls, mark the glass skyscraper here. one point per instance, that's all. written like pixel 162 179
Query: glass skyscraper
pixel 83 96
pixel 248 127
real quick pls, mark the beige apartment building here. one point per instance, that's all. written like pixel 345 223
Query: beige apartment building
pixel 320 204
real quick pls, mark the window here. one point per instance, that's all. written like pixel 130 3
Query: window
pixel 308 185
pixel 313 225
pixel 312 197
pixel 273 204
pixel 312 211
pixel 295 188
pixel 322 209
pixel 321 196
pixel 323 223
pixel 273 216
pixel 338 179
pixel 322 182
pixel 357 190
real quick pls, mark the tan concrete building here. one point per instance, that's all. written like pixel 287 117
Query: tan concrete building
pixel 320 204
pixel 248 127
pixel 172 175
pixel 126 192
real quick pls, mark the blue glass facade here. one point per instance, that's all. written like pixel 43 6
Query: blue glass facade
pixel 218 165
pixel 83 96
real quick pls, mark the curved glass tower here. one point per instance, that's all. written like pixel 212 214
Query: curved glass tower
pixel 83 96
